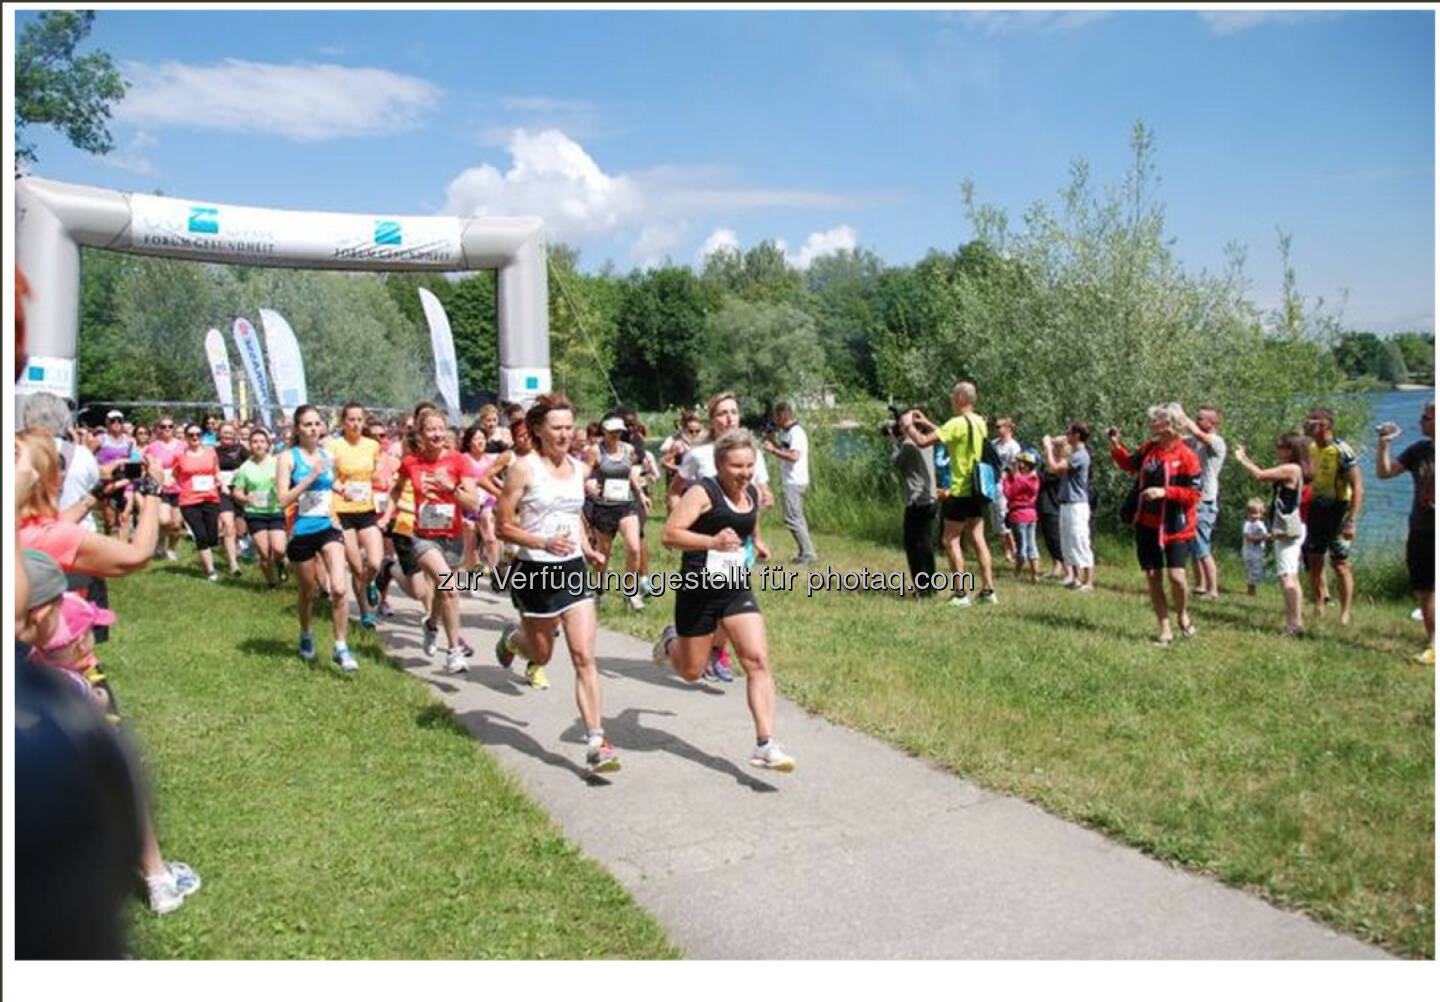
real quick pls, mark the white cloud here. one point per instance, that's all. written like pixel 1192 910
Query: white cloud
pixel 132 158
pixel 1227 22
pixel 1009 22
pixel 656 242
pixel 721 239
pixel 841 238
pixel 305 102
pixel 552 176
pixel 536 113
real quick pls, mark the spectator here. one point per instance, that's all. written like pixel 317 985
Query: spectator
pixel 1419 461
pixel 1007 447
pixel 1338 493
pixel 792 447
pixel 1205 441
pixel 1287 529
pixel 916 467
pixel 1074 499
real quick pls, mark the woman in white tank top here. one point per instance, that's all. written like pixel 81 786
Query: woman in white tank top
pixel 540 511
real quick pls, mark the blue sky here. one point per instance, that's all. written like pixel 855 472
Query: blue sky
pixel 645 135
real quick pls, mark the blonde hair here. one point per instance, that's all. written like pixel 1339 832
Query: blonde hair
pixel 1173 414
pixel 965 391
pixel 45 498
pixel 1255 504
pixel 733 441
pixel 713 404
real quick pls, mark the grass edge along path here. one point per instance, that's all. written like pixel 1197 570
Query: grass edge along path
pixel 334 817
pixel 1299 770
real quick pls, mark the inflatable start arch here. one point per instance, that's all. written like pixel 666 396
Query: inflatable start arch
pixel 54 220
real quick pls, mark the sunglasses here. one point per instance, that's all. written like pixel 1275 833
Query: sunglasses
pixel 192 434
pixel 166 425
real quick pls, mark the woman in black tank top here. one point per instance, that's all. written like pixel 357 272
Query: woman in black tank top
pixel 715 522
pixel 1288 476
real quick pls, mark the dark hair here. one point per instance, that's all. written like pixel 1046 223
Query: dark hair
pixel 468 438
pixel 1080 430
pixel 353 406
pixel 412 434
pixel 1299 446
pixel 295 422
pixel 593 429
pixel 783 407
pixel 535 416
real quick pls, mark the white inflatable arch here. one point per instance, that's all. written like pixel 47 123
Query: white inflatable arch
pixel 54 220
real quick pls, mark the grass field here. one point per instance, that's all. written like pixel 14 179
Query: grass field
pixel 1300 769
pixel 334 817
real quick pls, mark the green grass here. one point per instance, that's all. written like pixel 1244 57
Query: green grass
pixel 334 817
pixel 1302 770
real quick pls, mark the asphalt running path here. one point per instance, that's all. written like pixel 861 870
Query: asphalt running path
pixel 862 853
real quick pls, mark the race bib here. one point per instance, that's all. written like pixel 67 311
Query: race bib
pixel 202 482
pixel 313 504
pixel 382 503
pixel 726 563
pixel 560 524
pixel 358 491
pixel 227 477
pixel 259 499
pixel 616 489
pixel 436 516
pixel 169 478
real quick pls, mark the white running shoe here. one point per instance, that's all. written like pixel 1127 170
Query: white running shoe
pixel 661 651
pixel 431 641
pixel 455 663
pixel 771 756
pixel 637 603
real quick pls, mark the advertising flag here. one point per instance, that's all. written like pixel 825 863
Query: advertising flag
pixel 287 368
pixel 247 342
pixel 447 375
pixel 220 371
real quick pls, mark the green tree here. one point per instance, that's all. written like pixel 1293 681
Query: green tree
pixel 54 86
pixel 843 298
pixel 584 311
pixel 660 339
pixel 1418 351
pixel 770 351
pixel 1358 353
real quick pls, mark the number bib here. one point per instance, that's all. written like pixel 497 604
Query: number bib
pixel 560 524
pixel 725 563
pixel 202 482
pixel 169 477
pixel 313 504
pixel 259 499
pixel 382 503
pixel 436 516
pixel 358 491
pixel 227 477
pixel 616 489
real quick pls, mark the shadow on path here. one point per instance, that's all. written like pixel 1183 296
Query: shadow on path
pixel 627 732
pixel 489 728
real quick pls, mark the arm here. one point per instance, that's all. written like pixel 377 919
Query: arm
pixel 507 525
pixel 107 557
pixel 788 455
pixel 909 425
pixel 1204 437
pixel 637 484
pixel 1054 462
pixel 1357 501
pixel 694 503
pixel 1385 467
pixel 488 480
pixel 1284 473
pixel 284 468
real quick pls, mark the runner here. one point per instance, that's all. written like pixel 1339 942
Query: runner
pixel 715 522
pixel 307 471
pixel 231 454
pixel 115 450
pixel 356 457
pixel 165 447
pixel 540 511
pixel 386 467
pixel 699 462
pixel 617 499
pixel 688 432
pixel 402 529
pixel 254 488
pixel 441 484
pixel 197 471
pixel 480 543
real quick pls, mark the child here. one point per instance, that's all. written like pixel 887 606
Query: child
pixel 1021 487
pixel 1256 536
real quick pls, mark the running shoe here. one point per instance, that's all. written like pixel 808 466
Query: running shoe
pixel 660 653
pixel 987 597
pixel 1086 589
pixel 771 756
pixel 168 891
pixel 455 662
pixel 637 603
pixel 504 656
pixel 602 758
pixel 385 608
pixel 721 667
pixel 284 574
pixel 431 638
pixel 535 675
pixel 372 595
pixel 235 572
pixel 1418 615
pixel 170 555
pixel 307 645
pixel 959 602
pixel 368 621
pixel 1426 657
pixel 345 660
pixel 466 649
pixel 213 576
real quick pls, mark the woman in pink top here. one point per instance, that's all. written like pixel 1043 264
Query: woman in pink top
pixel 197 474
pixel 165 447
pixel 1021 486
pixel 474 447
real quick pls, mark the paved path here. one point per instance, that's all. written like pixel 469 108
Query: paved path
pixel 863 853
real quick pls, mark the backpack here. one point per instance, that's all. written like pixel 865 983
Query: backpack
pixel 985 474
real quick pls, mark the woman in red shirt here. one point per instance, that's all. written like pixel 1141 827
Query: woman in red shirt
pixel 1167 494
pixel 197 474
pixel 442 485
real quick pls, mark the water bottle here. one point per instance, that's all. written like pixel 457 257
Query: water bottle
pixel 942 467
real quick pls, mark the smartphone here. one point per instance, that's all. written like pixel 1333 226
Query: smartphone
pixel 131 471
pixel 1387 428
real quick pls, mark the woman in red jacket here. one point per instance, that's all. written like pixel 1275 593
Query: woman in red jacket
pixel 1164 517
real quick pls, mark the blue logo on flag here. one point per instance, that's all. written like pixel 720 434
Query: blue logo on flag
pixel 387 232
pixel 204 220
pixel 532 383
pixel 35 373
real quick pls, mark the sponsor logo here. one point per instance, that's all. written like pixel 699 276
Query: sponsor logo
pixel 532 383
pixel 35 374
pixel 387 233
pixel 204 220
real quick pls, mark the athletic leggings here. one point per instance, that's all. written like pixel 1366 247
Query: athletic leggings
pixel 204 521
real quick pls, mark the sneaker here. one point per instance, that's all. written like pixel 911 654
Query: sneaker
pixel 710 668
pixel 236 572
pixel 959 602
pixel 1426 657
pixel 213 576
pixel 372 595
pixel 466 649
pixel 602 758
pixel 170 555
pixel 168 891
pixel 535 675
pixel 637 603
pixel 1417 615
pixel 504 656
pixel 1068 583
pixel 368 621
pixel 455 663
pixel 307 645
pixel 660 653
pixel 385 608
pixel 987 597
pixel 345 660
pixel 431 640
pixel 1083 589
pixel 771 756
pixel 284 574
pixel 721 667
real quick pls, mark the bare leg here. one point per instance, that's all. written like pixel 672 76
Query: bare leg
pixel 434 567
pixel 1179 591
pixel 333 555
pixel 1155 582
pixel 1427 613
pixel 748 633
pixel 308 576
pixel 975 529
pixel 227 536
pixel 580 623
pixel 1294 603
pixel 1347 589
